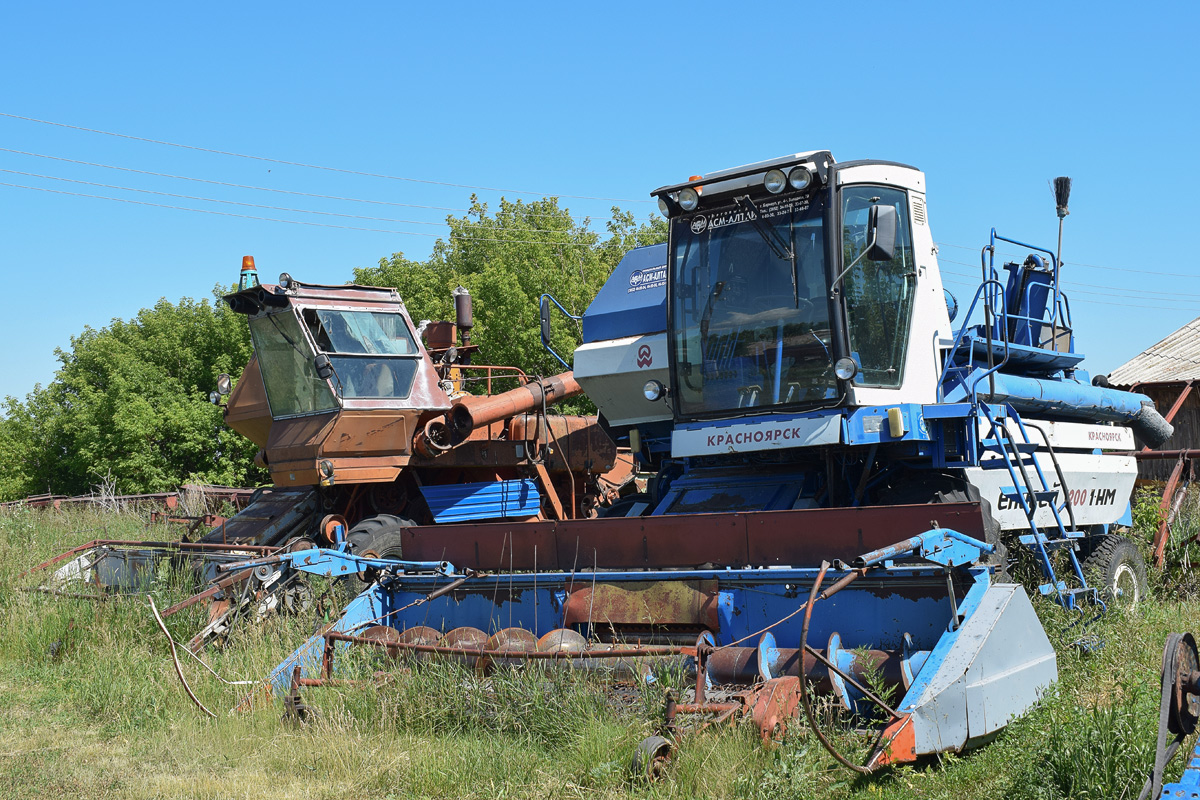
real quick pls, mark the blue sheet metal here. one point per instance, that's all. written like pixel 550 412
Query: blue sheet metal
pixel 633 301
pixel 462 502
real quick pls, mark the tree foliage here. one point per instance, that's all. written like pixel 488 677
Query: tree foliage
pixel 507 260
pixel 128 406
pixel 129 402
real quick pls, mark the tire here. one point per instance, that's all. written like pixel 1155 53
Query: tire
pixel 1118 570
pixel 624 505
pixel 381 536
pixel 362 536
pixel 650 758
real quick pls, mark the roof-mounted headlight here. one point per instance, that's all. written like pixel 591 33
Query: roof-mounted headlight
pixel 775 181
pixel 285 281
pixel 800 178
pixel 663 208
pixel 688 199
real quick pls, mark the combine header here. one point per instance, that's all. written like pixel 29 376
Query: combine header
pixel 836 474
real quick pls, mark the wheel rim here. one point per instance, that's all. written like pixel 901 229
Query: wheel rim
pixel 1125 585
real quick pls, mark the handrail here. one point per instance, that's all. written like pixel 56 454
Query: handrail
pixel 994 286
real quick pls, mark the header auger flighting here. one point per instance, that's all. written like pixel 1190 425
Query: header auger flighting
pixel 836 473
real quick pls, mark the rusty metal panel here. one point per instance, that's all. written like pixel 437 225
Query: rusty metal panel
pixel 247 411
pixel 496 547
pixel 756 538
pixel 624 605
pixel 369 433
pixel 672 541
pixel 804 538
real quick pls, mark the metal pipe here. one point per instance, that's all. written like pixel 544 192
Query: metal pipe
pixel 654 650
pixel 470 413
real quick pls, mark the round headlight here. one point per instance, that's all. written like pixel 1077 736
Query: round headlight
pixel 653 390
pixel 800 178
pixel 688 199
pixel 285 281
pixel 774 181
pixel 662 207
pixel 214 397
pixel 845 369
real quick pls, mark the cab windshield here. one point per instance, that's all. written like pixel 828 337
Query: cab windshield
pixel 750 330
pixel 372 352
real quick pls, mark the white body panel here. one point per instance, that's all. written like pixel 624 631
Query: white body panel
pixel 613 372
pixel 930 321
pixel 741 437
pixel 1082 436
pixel 1100 486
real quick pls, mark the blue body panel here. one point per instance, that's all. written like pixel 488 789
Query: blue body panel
pixel 633 301
pixel 462 502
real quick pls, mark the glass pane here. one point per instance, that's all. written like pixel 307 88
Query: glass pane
pixel 749 331
pixel 363 332
pixel 364 376
pixel 878 293
pixel 286 363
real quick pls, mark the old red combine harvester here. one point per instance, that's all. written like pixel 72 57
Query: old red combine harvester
pixel 369 424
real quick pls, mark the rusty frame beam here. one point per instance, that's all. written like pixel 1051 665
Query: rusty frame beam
pixel 753 538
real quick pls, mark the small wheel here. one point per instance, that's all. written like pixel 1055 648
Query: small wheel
pixel 651 757
pixel 1118 569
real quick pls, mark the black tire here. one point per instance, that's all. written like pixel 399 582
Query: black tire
pixel 624 505
pixel 381 536
pixel 1117 568
pixel 362 535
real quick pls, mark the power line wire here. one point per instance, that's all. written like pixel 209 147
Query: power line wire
pixel 255 188
pixel 1090 302
pixel 313 166
pixel 453 237
pixel 1072 284
pixel 214 200
pixel 1093 266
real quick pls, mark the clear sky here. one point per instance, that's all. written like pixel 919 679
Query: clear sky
pixel 581 100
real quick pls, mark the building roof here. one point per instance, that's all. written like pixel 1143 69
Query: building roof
pixel 1175 358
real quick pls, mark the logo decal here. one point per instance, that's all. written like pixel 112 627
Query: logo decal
pixel 649 278
pixel 699 223
pixel 644 357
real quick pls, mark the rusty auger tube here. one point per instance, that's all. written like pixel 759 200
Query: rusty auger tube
pixel 470 413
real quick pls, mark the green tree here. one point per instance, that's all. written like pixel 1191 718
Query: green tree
pixel 507 260
pixel 130 401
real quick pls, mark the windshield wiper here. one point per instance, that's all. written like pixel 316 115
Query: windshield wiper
pixel 774 241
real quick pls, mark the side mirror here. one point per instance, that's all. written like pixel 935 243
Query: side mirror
pixel 881 233
pixel 224 384
pixel 323 367
pixel 544 313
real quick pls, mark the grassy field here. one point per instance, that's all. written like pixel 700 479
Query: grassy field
pixel 90 706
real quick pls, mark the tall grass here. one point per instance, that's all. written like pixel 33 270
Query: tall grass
pixel 90 705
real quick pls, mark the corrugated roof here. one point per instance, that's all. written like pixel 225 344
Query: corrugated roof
pixel 1175 358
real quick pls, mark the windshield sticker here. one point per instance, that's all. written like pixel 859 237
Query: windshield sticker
pixel 699 223
pixel 783 205
pixel 649 278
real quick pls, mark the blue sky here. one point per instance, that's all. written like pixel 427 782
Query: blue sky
pixel 596 101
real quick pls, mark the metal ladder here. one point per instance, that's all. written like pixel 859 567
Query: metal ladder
pixel 1030 491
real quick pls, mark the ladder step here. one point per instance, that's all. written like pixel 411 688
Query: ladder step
pixel 1029 540
pixel 1012 493
pixel 998 445
pixel 1000 463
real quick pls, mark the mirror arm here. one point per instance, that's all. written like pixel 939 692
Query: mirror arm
pixel 837 281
